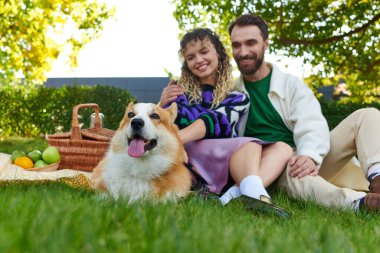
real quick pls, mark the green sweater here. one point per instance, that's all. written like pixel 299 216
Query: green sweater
pixel 264 122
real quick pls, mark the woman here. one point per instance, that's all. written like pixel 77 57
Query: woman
pixel 209 110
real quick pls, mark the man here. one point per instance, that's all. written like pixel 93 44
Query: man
pixel 284 109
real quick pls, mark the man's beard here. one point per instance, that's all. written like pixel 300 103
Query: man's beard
pixel 251 69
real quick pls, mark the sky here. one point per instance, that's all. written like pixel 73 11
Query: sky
pixel 140 41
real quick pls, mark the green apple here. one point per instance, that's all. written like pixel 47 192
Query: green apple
pixel 40 163
pixel 51 155
pixel 16 154
pixel 35 155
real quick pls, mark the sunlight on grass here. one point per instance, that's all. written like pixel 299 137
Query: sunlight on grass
pixel 8 145
pixel 52 217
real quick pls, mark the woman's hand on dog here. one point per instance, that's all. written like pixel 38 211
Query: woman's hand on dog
pixel 170 93
pixel 186 157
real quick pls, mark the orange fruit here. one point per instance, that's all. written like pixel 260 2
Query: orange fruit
pixel 24 162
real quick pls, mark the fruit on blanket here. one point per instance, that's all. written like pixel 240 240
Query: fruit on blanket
pixel 16 154
pixel 51 155
pixel 24 162
pixel 35 155
pixel 40 163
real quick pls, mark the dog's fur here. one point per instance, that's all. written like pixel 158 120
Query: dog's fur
pixel 157 172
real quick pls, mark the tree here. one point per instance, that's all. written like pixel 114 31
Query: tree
pixel 342 36
pixel 34 32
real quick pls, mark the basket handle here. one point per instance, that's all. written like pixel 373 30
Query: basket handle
pixel 75 131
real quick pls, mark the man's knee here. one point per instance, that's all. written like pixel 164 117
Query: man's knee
pixel 297 187
pixel 368 113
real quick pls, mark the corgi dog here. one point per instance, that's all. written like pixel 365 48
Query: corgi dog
pixel 146 159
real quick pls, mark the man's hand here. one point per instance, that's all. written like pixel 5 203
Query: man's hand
pixel 170 93
pixel 301 166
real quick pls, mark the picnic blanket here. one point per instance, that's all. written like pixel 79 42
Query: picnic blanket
pixel 73 178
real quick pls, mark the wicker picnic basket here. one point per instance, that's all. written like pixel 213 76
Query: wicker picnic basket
pixel 82 149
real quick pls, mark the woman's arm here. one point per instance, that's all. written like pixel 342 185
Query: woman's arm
pixel 222 121
pixel 195 131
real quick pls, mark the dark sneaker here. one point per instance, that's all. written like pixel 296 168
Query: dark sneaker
pixel 372 202
pixel 374 185
pixel 261 206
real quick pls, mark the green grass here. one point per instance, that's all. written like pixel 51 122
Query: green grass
pixel 55 218
pixel 9 145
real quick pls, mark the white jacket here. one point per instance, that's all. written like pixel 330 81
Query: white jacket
pixel 300 111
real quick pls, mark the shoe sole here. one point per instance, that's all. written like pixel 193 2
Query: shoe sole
pixel 262 206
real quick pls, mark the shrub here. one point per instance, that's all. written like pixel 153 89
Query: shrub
pixel 35 112
pixel 336 111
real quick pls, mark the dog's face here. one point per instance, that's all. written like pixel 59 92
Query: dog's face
pixel 145 126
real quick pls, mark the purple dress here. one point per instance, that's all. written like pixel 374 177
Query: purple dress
pixel 211 155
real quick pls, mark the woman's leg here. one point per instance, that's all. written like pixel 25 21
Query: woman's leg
pixel 254 168
pixel 251 175
pixel 245 161
pixel 268 162
pixel 245 168
pixel 274 159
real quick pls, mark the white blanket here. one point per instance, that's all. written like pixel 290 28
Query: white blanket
pixel 9 171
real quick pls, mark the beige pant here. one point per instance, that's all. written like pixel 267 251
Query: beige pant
pixel 358 134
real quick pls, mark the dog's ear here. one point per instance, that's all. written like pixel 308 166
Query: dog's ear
pixel 123 122
pixel 128 108
pixel 130 105
pixel 173 110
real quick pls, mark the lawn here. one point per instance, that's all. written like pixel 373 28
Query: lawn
pixel 25 144
pixel 56 218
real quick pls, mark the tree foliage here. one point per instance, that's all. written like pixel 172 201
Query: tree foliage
pixel 340 36
pixel 34 32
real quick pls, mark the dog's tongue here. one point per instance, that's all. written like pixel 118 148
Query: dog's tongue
pixel 136 148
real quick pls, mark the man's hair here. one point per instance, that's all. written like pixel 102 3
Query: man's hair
pixel 224 83
pixel 250 19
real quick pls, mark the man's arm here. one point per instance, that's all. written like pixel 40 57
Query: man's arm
pixel 170 93
pixel 311 133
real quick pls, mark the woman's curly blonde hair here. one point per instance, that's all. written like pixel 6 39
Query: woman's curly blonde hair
pixel 224 80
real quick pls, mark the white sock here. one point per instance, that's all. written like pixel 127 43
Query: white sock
pixel 356 204
pixel 373 171
pixel 230 194
pixel 253 187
